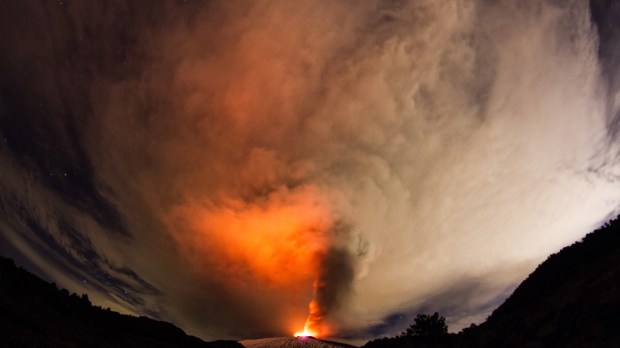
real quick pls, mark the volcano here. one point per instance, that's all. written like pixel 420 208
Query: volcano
pixel 293 342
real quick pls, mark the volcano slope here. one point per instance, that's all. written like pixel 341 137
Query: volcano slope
pixel 292 342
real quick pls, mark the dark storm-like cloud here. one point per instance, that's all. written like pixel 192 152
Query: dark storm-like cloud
pixel 45 104
pixel 605 15
pixel 63 167
pixel 197 160
pixel 53 201
pixel 461 301
pixel 71 252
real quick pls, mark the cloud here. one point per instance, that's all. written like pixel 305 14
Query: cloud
pixel 228 156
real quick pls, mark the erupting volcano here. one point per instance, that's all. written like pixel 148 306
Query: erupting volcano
pixel 313 323
pixel 293 342
pixel 258 168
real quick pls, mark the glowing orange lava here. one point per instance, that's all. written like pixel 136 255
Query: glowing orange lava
pixel 314 324
pixel 305 333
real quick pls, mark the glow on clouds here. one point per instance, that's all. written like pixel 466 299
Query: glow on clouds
pixel 390 151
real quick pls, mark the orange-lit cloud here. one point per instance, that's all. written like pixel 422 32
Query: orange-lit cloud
pixel 256 157
pixel 276 241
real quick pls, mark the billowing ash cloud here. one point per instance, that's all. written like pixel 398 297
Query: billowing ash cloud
pixel 223 164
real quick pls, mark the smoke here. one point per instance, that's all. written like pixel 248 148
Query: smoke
pixel 235 154
pixel 333 282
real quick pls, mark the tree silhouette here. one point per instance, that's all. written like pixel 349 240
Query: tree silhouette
pixel 427 326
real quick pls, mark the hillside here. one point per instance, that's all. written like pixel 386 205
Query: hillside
pixel 571 300
pixel 37 314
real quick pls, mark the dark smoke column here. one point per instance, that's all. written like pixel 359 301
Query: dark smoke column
pixel 334 281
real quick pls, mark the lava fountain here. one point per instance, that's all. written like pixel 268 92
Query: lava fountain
pixel 313 323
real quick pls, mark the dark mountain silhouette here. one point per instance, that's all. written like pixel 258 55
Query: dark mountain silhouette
pixel 571 300
pixel 35 313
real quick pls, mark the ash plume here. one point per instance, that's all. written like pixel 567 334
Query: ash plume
pixel 196 159
pixel 332 284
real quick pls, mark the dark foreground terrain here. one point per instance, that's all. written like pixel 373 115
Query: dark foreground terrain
pixel 34 313
pixel 571 300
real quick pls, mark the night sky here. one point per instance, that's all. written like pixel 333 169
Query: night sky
pixel 242 169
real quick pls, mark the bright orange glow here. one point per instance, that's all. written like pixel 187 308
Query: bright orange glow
pixel 305 333
pixel 314 324
pixel 276 241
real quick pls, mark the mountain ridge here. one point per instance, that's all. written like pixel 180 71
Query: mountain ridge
pixel 572 299
pixel 36 313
